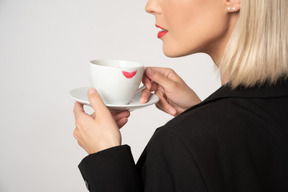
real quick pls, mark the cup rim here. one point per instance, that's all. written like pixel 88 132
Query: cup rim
pixel 115 63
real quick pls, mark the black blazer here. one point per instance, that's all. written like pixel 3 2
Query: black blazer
pixel 235 140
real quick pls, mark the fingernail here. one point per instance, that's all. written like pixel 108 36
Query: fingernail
pixel 171 111
pixel 142 101
pixel 91 91
pixel 149 71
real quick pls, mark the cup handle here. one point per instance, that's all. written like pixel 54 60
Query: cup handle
pixel 140 88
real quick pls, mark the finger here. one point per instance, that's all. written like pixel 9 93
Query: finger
pixel 147 82
pixel 157 77
pixel 167 72
pixel 118 116
pixel 96 102
pixel 122 122
pixel 163 104
pixel 145 96
pixel 78 109
pixel 154 86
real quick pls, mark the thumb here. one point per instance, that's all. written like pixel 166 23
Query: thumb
pixel 95 101
pixel 158 77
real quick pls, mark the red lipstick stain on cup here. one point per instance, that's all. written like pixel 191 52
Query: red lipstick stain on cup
pixel 129 75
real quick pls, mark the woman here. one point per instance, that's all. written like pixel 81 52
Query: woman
pixel 236 139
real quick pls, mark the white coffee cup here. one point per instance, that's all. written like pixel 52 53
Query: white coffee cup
pixel 117 81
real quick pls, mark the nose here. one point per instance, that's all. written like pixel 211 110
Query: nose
pixel 151 7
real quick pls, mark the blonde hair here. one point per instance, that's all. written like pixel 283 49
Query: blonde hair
pixel 258 48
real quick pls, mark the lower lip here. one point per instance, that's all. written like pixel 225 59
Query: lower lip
pixel 161 33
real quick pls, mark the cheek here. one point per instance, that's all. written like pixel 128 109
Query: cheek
pixel 193 32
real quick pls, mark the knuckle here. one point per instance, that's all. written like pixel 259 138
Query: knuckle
pixel 173 84
pixel 160 95
pixel 146 92
pixel 75 133
pixel 79 119
pixel 154 86
pixel 77 123
pixel 170 70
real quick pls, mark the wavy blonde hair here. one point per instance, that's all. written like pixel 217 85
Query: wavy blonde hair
pixel 258 48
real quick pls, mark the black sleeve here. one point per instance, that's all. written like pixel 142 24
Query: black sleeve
pixel 111 170
pixel 167 165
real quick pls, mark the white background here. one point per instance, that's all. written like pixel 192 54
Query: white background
pixel 45 47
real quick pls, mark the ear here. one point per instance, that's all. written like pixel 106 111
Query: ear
pixel 233 5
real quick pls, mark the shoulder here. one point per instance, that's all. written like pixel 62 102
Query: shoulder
pixel 213 116
pixel 222 122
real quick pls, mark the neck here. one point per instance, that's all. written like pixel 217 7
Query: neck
pixel 218 50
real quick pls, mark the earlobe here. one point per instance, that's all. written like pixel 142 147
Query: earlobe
pixel 233 5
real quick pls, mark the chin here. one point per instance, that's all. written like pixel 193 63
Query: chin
pixel 175 53
pixel 171 55
pixel 178 51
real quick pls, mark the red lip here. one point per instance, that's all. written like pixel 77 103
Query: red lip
pixel 129 75
pixel 161 33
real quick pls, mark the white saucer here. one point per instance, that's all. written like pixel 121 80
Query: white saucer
pixel 80 95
